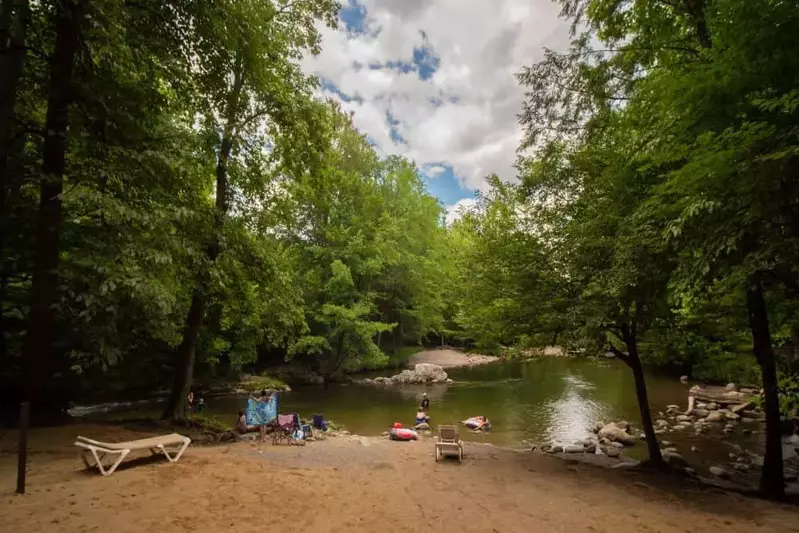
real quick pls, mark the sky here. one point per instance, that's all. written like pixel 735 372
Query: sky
pixel 433 80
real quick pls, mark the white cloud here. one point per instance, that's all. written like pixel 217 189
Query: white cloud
pixel 480 44
pixel 456 210
pixel 434 171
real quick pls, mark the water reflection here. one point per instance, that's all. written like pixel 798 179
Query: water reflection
pixel 570 417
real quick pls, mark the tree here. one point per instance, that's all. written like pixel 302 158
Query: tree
pixel 253 78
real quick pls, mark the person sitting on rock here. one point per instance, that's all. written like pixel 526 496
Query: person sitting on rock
pixel 421 417
pixel 241 424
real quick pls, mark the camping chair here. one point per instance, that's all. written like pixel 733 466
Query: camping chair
pixel 448 443
pixel 284 429
pixel 156 445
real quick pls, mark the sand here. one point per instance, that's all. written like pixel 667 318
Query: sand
pixel 447 358
pixel 358 484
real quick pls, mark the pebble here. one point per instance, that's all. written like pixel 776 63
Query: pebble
pixel 741 467
pixel 694 449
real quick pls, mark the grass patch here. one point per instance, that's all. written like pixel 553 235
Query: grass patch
pixel 259 383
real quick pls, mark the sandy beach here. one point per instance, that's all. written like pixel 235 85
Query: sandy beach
pixel 358 484
pixel 448 358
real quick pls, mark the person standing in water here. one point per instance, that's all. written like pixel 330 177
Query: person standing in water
pixel 425 402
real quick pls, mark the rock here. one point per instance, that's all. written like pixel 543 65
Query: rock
pixel 665 443
pixel 695 449
pixel 384 434
pixel 642 436
pixel 556 449
pixel 660 431
pixel 715 416
pixel 618 445
pixel 689 471
pixel 719 472
pixel 701 405
pixel 598 426
pixel 533 448
pixel 579 443
pixel 623 425
pixel 661 423
pixel 741 467
pixel 627 464
pixel 660 414
pixel 545 448
pixel 590 448
pixel 746 431
pixel 672 407
pixel 573 448
pixel 614 433
pixel 701 413
pixel 683 418
pixel 732 456
pixel 793 440
pixel 604 441
pixel 732 416
pixel 699 430
pixel 731 387
pixel 674 458
pixel 612 452
pixel 680 427
pixel 423 426
pixel 671 449
pixel 345 433
pixel 428 372
pixel 712 406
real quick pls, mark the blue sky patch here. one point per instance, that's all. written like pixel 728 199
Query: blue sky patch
pixel 445 186
pixel 439 178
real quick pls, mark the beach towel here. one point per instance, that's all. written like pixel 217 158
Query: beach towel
pixel 261 413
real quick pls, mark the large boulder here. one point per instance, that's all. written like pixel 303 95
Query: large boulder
pixel 430 373
pixel 614 433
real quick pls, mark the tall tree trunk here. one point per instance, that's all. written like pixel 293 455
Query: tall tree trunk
pixel 772 482
pixel 634 362
pixel 14 20
pixel 177 406
pixel 40 359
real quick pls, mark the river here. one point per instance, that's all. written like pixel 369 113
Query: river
pixel 547 399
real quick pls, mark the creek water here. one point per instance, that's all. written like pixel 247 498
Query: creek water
pixel 547 399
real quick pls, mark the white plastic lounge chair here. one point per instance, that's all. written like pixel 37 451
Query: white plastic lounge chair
pixel 448 443
pixel 156 445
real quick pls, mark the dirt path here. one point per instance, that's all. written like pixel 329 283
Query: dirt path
pixel 447 358
pixel 361 485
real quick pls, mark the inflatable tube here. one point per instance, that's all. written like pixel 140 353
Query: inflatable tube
pixel 476 423
pixel 402 434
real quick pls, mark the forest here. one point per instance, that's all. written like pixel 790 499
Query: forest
pixel 176 203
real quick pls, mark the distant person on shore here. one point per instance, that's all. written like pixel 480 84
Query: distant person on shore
pixel 425 402
pixel 200 405
pixel 190 399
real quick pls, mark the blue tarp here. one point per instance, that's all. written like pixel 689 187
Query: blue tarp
pixel 260 413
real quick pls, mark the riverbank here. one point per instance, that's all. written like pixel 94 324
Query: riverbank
pixel 449 358
pixel 359 484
